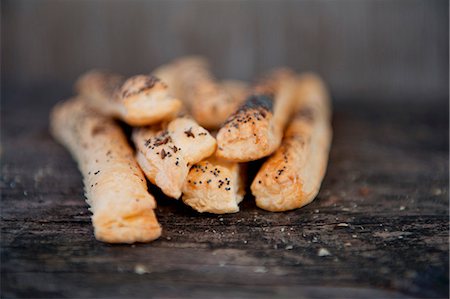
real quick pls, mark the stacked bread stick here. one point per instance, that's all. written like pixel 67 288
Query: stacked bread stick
pixel 192 136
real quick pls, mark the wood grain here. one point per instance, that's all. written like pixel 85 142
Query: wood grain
pixel 382 215
pixel 373 48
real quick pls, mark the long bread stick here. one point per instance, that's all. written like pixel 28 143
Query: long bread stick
pixel 123 210
pixel 292 176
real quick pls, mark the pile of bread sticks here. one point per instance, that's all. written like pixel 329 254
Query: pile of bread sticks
pixel 192 135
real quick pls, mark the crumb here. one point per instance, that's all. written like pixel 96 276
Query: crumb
pixel 342 224
pixel 140 269
pixel 436 191
pixel 323 252
pixel 260 270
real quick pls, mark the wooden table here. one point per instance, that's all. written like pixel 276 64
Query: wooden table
pixel 382 215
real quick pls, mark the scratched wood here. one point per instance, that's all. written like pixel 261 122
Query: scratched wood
pixel 382 215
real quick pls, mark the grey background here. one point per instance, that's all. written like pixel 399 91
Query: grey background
pixel 374 49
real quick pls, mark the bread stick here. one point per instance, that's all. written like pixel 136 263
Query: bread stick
pixel 292 176
pixel 255 130
pixel 208 101
pixel 139 100
pixel 165 154
pixel 114 185
pixel 214 185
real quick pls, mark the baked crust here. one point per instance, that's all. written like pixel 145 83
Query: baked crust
pixel 115 188
pixel 255 130
pixel 214 185
pixel 139 100
pixel 208 101
pixel 166 153
pixel 292 176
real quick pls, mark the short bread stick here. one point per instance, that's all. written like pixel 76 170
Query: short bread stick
pixel 166 153
pixel 214 185
pixel 139 100
pixel 255 130
pixel 123 210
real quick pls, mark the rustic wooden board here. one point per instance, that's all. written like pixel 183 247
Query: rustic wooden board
pixel 387 179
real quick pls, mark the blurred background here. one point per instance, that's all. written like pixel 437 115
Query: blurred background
pixel 366 50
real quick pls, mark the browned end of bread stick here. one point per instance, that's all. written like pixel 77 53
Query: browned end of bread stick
pixel 247 134
pixel 215 186
pixel 140 84
pixel 139 100
pixel 166 154
pixel 256 129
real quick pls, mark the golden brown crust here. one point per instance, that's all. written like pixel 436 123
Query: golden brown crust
pixel 209 101
pixel 115 186
pixel 138 100
pixel 166 153
pixel 140 84
pixel 292 176
pixel 247 134
pixel 215 186
pixel 255 130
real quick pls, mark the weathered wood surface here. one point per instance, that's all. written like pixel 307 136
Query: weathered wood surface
pixel 387 180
